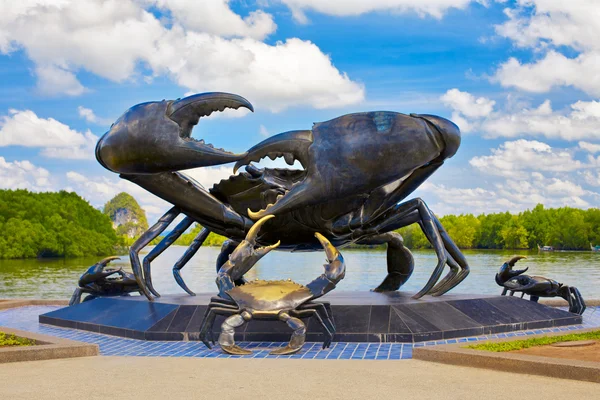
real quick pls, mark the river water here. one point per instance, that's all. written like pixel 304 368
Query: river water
pixel 56 278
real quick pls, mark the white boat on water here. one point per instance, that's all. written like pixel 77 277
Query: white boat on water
pixel 545 248
pixel 595 249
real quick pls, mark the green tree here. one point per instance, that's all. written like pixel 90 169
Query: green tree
pixel 414 237
pixel 570 230
pixel 514 234
pixel 462 229
pixel 59 224
pixel 212 240
pixel 491 225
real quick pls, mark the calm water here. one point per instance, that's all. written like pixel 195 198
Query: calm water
pixel 365 270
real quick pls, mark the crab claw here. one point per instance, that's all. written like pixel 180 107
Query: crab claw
pixel 97 272
pixel 245 255
pixel 156 136
pixel 330 250
pixel 514 260
pixel 335 270
pixel 253 232
pixel 506 272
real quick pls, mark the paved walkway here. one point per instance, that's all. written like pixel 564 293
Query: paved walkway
pixel 26 318
pixel 192 378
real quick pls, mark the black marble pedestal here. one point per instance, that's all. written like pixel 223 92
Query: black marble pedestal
pixel 359 316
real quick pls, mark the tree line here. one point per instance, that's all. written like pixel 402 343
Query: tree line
pixel 564 228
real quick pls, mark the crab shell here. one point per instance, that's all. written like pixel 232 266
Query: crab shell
pixel 270 297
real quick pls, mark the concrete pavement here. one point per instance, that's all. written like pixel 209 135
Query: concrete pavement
pixel 187 378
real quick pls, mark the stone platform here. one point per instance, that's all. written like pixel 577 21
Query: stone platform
pixel 359 317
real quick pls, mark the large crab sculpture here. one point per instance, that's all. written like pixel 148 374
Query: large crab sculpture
pixel 537 286
pixel 358 170
pixel 282 300
pixel 100 281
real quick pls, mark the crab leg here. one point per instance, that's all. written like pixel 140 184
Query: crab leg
pixel 193 200
pixel 576 302
pixel 76 297
pixel 226 338
pixel 298 337
pixel 162 246
pixel 143 241
pixel 209 319
pixel 400 261
pixel 189 253
pixel 459 268
pixel 322 308
pixel 446 280
pixel 327 330
pixel 416 211
pixel 227 248
pixel 317 310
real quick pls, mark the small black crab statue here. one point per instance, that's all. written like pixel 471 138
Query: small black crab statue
pixel 537 286
pixel 100 281
pixel 358 171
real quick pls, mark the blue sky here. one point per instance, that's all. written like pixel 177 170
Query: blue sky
pixel 518 77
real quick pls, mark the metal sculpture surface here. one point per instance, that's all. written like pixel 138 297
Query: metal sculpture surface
pixel 282 300
pixel 358 168
pixel 537 286
pixel 101 281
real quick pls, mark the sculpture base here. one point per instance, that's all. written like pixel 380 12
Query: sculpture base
pixel 359 317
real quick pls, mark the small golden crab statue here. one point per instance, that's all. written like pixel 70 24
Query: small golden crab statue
pixel 282 300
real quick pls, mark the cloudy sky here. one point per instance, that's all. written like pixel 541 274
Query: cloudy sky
pixel 520 78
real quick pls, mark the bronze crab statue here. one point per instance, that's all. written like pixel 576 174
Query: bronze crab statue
pixel 99 281
pixel 358 169
pixel 282 300
pixel 537 286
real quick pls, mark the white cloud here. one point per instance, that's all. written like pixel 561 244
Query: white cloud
pixel 466 104
pixel 263 131
pixel 434 8
pixel 25 128
pixel 226 113
pixel 552 192
pixel 290 73
pixel 590 147
pixel 217 18
pixel 100 189
pixel 520 174
pixel 548 26
pixel 207 177
pixel 53 80
pixel 591 178
pixel 460 200
pixel 553 70
pixel 512 194
pixel 581 122
pixel 90 116
pixel 24 175
pixel 574 23
pixel 113 38
pixel 512 159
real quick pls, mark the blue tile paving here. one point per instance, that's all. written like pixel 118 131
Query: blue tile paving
pixel 26 318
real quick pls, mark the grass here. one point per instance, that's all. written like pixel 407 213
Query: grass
pixel 12 340
pixel 541 341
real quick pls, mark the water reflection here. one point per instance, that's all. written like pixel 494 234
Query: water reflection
pixel 365 269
